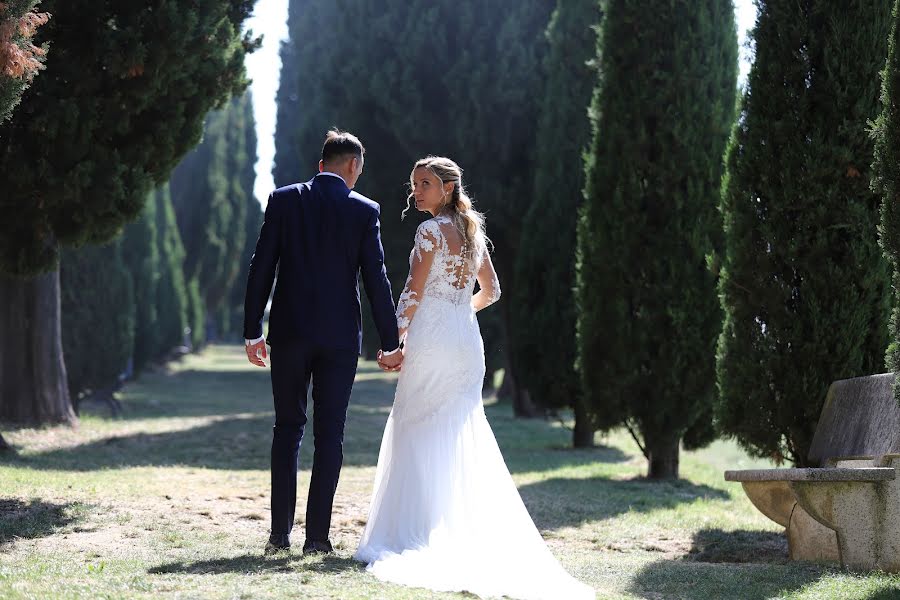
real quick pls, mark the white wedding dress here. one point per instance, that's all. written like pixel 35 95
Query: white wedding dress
pixel 445 513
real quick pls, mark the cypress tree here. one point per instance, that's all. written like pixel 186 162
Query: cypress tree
pixel 210 192
pixel 886 179
pixel 19 60
pixel 804 286
pixel 196 314
pixel 252 225
pixel 171 292
pixel 233 314
pixel 122 99
pixel 547 251
pixel 141 255
pixel 98 317
pixel 648 313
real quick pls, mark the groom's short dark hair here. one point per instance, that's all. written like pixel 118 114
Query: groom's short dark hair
pixel 340 145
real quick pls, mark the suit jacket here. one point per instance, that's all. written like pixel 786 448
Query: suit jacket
pixel 320 235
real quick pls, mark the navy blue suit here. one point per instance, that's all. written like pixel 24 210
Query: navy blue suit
pixel 319 236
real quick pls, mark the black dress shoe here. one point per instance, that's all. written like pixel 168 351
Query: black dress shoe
pixel 278 543
pixel 317 547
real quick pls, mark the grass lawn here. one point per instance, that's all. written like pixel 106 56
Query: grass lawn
pixel 171 500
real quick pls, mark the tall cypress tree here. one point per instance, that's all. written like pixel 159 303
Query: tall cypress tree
pixel 98 316
pixel 252 225
pixel 804 286
pixel 399 98
pixel 232 320
pixel 171 291
pixel 210 192
pixel 886 179
pixel 19 60
pixel 648 313
pixel 547 251
pixel 123 300
pixel 141 255
pixel 122 99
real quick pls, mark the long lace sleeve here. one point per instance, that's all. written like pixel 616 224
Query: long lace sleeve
pixel 489 284
pixel 427 242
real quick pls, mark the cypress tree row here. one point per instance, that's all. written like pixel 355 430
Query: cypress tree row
pixel 122 99
pixel 232 319
pixel 648 313
pixel 98 317
pixel 252 225
pixel 171 291
pixel 211 191
pixel 804 286
pixel 397 97
pixel 547 251
pixel 886 179
pixel 141 255
pixel 241 182
pixel 123 300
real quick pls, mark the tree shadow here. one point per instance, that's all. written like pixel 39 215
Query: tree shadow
pixel 254 564
pixel 199 393
pixel 239 417
pixel 228 441
pixel 552 457
pixel 740 546
pixel 34 519
pixel 746 564
pixel 689 580
pixel 891 593
pixel 563 502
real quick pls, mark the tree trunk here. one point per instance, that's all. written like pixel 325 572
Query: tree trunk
pixel 663 456
pixel 523 406
pixel 583 434
pixel 33 386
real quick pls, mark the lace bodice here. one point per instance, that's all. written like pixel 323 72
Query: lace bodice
pixel 442 264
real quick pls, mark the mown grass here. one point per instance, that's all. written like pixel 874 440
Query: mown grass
pixel 171 500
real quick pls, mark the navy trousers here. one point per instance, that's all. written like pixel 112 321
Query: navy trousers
pixel 332 371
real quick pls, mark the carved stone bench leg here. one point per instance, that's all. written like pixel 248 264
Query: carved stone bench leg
pixel 808 539
pixel 856 511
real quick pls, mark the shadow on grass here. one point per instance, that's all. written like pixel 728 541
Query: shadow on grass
pixel 232 440
pixel 199 393
pixel 742 546
pixel 229 443
pixel 34 519
pixel 552 457
pixel 559 502
pixel 691 580
pixel 254 563
pixel 751 565
pixel 886 594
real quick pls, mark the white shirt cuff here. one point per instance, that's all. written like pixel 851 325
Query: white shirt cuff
pixel 395 351
pixel 256 341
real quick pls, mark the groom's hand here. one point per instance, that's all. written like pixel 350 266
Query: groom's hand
pixel 256 353
pixel 390 363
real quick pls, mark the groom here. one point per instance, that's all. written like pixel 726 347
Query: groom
pixel 319 235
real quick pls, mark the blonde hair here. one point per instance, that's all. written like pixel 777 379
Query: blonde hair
pixel 468 221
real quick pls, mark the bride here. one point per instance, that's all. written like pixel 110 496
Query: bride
pixel 445 512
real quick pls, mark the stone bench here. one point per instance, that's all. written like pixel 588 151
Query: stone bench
pixel 848 509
